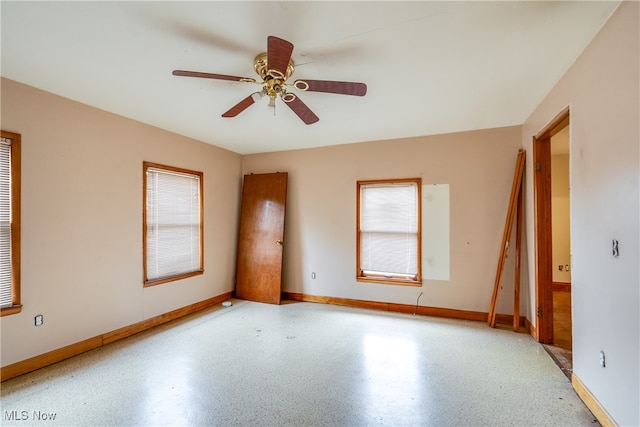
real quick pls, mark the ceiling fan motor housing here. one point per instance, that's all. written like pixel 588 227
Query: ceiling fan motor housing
pixel 273 80
pixel 262 68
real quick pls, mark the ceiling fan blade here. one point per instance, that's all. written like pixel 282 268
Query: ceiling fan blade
pixel 242 105
pixel 278 54
pixel 211 76
pixel 300 108
pixel 344 88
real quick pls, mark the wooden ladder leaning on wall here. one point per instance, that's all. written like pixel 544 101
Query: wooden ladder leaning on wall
pixel 515 209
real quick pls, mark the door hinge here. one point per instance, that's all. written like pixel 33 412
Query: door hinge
pixel 538 166
pixel 539 312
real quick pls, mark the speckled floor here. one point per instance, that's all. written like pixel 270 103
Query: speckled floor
pixel 303 364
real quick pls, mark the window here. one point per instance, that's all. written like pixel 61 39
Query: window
pixel 10 223
pixel 389 231
pixel 172 224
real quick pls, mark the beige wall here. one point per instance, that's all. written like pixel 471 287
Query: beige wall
pixel 602 90
pixel 82 220
pixel 321 213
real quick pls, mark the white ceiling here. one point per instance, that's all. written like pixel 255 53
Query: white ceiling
pixel 430 67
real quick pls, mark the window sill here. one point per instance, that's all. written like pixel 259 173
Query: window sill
pixel 14 309
pixel 155 282
pixel 385 281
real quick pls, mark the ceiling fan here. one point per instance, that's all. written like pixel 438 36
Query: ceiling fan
pixel 274 67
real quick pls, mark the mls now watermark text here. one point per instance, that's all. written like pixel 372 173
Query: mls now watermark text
pixel 29 416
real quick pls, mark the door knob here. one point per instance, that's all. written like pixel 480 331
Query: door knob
pixel 279 242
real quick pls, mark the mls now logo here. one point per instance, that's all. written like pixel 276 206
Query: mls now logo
pixel 29 415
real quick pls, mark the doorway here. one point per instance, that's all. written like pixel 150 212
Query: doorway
pixel 551 157
pixel 561 239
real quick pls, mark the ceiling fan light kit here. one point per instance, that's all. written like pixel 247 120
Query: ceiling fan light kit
pixel 274 68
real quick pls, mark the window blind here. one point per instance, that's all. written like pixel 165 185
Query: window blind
pixel 5 223
pixel 173 223
pixel 389 229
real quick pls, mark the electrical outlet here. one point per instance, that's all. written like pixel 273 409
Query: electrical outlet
pixel 615 250
pixel 602 361
pixel 39 320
